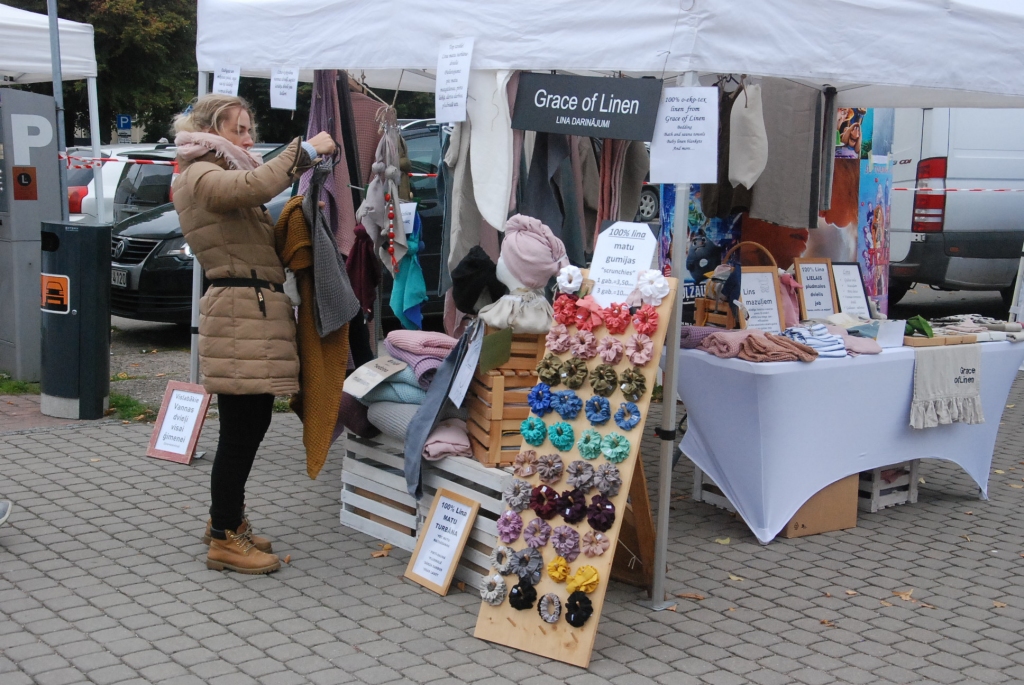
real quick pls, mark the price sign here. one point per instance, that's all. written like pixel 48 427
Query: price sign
pixel 685 144
pixel 179 422
pixel 408 210
pixel 850 289
pixel 817 297
pixel 623 250
pixel 442 540
pixel 761 294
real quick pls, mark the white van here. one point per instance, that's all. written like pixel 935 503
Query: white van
pixel 961 237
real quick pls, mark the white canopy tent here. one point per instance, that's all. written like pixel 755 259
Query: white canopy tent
pixel 876 53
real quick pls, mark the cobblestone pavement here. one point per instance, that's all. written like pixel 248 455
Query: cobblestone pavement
pixel 102 581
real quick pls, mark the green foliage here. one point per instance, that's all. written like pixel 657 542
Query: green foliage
pixel 281 406
pixel 12 387
pixel 129 409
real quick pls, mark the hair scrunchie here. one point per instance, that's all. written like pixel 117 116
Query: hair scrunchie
pixel 646 320
pixel 616 317
pixel 522 595
pixel 561 436
pixel 573 372
pixel 578 608
pixel 603 380
pixel 594 544
pixel 567 404
pixel 601 513
pixel 628 416
pixel 615 448
pixel 544 501
pixel 547 370
pixel 558 569
pixel 566 542
pixel 539 399
pixel 557 339
pixel 565 309
pixel 639 349
pixel 573 506
pixel 610 350
pixel 583 345
pixel 517 494
pixel 608 480
pixel 581 475
pixel 493 591
pixel 525 464
pixel 599 410
pixel 527 564
pixel 537 532
pixel 633 384
pixel 550 608
pixel 533 430
pixel 584 580
pixel 589 313
pixel 549 468
pixel 510 525
pixel 501 559
pixel 589 444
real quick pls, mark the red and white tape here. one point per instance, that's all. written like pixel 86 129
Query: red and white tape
pixel 75 162
pixel 940 191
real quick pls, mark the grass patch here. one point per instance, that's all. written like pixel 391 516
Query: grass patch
pixel 123 377
pixel 129 409
pixel 281 406
pixel 8 386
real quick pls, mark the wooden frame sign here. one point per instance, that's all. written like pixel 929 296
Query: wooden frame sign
pixel 442 540
pixel 761 294
pixel 850 290
pixel 179 422
pixel 818 295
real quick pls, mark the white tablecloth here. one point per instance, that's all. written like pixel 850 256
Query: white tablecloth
pixel 771 435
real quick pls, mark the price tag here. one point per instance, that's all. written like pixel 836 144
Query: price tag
pixel 817 288
pixel 225 80
pixel 370 375
pixel 453 62
pixel 284 87
pixel 685 144
pixel 408 216
pixel 623 250
pixel 460 385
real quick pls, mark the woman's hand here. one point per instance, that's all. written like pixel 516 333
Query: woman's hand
pixel 322 143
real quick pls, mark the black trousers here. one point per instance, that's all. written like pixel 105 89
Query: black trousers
pixel 244 420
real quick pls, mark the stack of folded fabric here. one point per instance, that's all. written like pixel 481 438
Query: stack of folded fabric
pixel 753 345
pixel 818 338
pixel 422 350
pixel 690 337
pixel 402 388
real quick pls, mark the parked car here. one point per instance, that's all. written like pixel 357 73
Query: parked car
pixel 957 240
pixel 82 185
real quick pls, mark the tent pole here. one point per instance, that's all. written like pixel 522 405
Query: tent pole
pixel 197 275
pixel 58 98
pixel 94 134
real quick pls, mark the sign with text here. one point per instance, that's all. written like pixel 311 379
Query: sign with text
pixel 371 374
pixel 408 216
pixel 817 297
pixel 442 540
pixel 225 80
pixel 452 86
pixel 464 374
pixel 622 108
pixel 284 87
pixel 124 122
pixel 623 250
pixel 850 292
pixel 685 144
pixel 179 422
pixel 761 294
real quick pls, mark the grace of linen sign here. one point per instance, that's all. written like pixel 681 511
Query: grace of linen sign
pixel 685 144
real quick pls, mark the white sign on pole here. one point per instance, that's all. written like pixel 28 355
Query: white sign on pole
pixel 408 216
pixel 623 250
pixel 225 80
pixel 284 87
pixel 176 430
pixel 685 144
pixel 453 62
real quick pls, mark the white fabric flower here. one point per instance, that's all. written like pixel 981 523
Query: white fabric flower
pixel 653 287
pixel 570 279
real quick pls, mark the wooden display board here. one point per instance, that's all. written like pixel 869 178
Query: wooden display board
pixel 524 629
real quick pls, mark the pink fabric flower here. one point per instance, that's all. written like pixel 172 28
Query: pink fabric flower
pixel 565 309
pixel 588 313
pixel 639 349
pixel 558 339
pixel 594 544
pixel 616 317
pixel 510 525
pixel 610 350
pixel 646 320
pixel 583 344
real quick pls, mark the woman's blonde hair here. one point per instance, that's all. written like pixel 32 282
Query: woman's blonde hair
pixel 209 112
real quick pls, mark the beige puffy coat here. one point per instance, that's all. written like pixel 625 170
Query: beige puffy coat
pixel 242 351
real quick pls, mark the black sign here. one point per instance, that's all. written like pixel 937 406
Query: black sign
pixel 623 108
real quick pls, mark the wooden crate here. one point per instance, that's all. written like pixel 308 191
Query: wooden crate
pixel 497 406
pixel 876 493
pixel 375 500
pixel 527 350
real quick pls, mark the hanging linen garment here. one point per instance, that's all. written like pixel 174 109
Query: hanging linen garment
pixel 409 291
pixel 613 153
pixel 722 199
pixel 635 166
pixel 348 139
pixel 373 213
pixel 466 219
pixel 490 150
pixel 543 199
pixel 367 130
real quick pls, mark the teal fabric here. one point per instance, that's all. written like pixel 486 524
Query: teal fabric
pixel 410 290
pixel 401 388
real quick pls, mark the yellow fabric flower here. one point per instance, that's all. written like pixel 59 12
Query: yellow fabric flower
pixel 584 580
pixel 558 569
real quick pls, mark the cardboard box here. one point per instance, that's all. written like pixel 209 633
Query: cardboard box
pixel 834 508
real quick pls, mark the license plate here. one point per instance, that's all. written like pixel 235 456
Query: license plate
pixel 119 277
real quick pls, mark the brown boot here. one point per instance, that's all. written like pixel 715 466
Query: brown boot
pixel 239 553
pixel 261 543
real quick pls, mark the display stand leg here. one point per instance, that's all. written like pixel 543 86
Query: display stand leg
pixel 634 555
pixel 698 484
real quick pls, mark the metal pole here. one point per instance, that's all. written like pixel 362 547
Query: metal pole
pixel 58 98
pixel 94 134
pixel 197 276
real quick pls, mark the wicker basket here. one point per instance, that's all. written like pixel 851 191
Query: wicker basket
pixel 710 311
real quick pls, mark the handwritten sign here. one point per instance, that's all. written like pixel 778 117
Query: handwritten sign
pixel 761 294
pixel 685 144
pixel 850 289
pixel 453 62
pixel 284 87
pixel 371 374
pixel 623 250
pixel 179 422
pixel 225 80
pixel 442 540
pixel 817 297
pixel 408 216
pixel 463 377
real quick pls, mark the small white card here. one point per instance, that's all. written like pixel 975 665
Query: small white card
pixel 225 80
pixel 284 87
pixel 685 144
pixel 464 376
pixel 408 216
pixel 453 60
pixel 371 374
pixel 623 250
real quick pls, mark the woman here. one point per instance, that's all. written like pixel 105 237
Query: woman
pixel 247 346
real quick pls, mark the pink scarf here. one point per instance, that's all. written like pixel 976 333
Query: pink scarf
pixel 194 144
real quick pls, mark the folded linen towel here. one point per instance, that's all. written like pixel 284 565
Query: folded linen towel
pixel 947 386
pixel 690 337
pixel 856 345
pixel 393 419
pixel 403 387
pixel 448 439
pixel 818 337
pixel 725 344
pixel 765 347
pixel 427 343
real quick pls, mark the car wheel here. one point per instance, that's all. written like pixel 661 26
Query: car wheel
pixel 897 291
pixel 649 204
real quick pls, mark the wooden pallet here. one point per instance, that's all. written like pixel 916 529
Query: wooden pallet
pixel 875 493
pixel 938 340
pixel 497 406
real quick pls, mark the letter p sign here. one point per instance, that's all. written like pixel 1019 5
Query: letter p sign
pixel 29 131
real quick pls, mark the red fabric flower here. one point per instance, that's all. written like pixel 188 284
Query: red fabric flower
pixel 565 309
pixel 588 314
pixel 616 317
pixel 646 320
